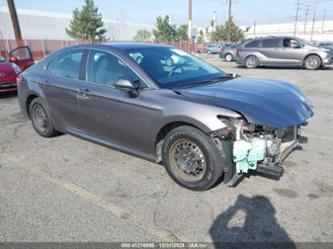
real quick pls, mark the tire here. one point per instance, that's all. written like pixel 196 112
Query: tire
pixel 251 62
pixel 229 57
pixel 312 62
pixel 41 119
pixel 192 159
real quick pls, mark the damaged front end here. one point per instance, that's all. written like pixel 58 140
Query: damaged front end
pixel 260 148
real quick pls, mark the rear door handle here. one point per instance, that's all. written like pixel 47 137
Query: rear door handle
pixel 84 92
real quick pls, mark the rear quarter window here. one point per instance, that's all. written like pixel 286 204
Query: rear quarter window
pixel 66 65
pixel 252 44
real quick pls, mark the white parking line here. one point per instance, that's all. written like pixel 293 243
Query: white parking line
pixel 122 214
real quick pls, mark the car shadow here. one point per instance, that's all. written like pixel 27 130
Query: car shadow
pixel 8 95
pixel 249 223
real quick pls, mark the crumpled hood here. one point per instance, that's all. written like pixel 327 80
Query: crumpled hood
pixel 262 101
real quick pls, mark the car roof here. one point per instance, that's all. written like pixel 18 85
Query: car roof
pixel 124 46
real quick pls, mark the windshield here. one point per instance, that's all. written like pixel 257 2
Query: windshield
pixel 306 42
pixel 172 68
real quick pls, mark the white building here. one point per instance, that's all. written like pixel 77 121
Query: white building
pixel 51 26
pixel 321 31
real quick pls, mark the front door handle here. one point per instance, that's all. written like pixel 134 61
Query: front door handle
pixel 84 92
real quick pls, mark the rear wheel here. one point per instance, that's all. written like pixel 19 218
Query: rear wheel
pixel 251 61
pixel 312 62
pixel 229 57
pixel 41 120
pixel 192 159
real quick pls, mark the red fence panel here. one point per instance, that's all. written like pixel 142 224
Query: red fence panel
pixel 41 48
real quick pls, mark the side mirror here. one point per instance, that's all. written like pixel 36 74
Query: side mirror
pixel 13 59
pixel 126 85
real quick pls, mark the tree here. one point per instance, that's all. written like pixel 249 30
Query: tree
pixel 142 35
pixel 200 38
pixel 182 33
pixel 221 33
pixel 87 23
pixel 163 31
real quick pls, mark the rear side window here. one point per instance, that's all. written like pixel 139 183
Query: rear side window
pixel 105 69
pixel 271 43
pixel 67 65
pixel 252 44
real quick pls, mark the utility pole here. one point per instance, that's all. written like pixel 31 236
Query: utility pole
pixel 190 20
pixel 296 16
pixel 324 17
pixel 13 15
pixel 306 18
pixel 229 20
pixel 313 23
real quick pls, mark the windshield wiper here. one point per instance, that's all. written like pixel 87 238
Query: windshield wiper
pixel 207 82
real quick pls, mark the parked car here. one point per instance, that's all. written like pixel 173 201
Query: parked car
pixel 326 44
pixel 228 53
pixel 8 75
pixel 199 122
pixel 213 48
pixel 284 51
pixel 9 69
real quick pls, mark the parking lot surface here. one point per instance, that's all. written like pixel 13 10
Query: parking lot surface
pixel 68 189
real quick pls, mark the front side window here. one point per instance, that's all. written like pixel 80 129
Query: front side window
pixel 271 43
pixel 170 67
pixel 291 43
pixel 106 69
pixel 67 65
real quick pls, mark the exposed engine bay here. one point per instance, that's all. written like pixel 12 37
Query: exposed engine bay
pixel 262 148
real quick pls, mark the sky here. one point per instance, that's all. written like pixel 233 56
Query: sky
pixel 245 12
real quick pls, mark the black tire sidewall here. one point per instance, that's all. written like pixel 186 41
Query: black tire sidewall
pixel 50 131
pixel 214 168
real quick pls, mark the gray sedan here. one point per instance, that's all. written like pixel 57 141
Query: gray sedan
pixel 164 105
pixel 229 52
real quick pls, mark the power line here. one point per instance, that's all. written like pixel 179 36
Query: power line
pixel 229 20
pixel 324 17
pixel 296 16
pixel 313 22
pixel 306 17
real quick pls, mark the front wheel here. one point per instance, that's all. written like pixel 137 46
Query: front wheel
pixel 312 62
pixel 192 159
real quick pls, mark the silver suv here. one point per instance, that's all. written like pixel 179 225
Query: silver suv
pixel 283 51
